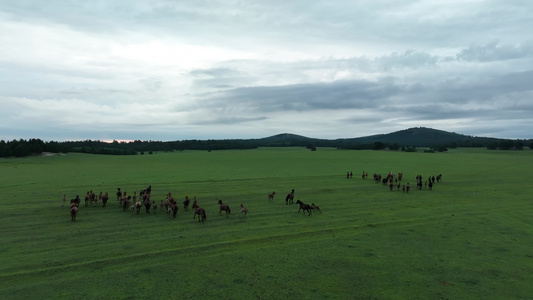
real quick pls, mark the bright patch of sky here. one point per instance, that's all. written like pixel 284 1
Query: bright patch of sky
pixel 174 70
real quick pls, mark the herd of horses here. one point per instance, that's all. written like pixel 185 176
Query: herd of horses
pixel 135 203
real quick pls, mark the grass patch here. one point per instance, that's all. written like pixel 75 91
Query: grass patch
pixel 470 237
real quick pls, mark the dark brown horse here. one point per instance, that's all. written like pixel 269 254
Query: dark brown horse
pixel 104 199
pixel 224 207
pixel 174 209
pixel 186 203
pixel 200 212
pixel 304 207
pixel 290 198
pixel 147 204
pixel 126 203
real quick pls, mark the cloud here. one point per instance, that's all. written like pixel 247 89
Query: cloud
pixel 203 69
pixel 495 52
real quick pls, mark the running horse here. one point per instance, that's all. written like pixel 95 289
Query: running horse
pixel 244 210
pixel 186 203
pixel 73 213
pixel 290 198
pixel 304 207
pixel 225 208
pixel 200 212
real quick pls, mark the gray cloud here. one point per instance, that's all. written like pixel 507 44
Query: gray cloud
pixel 495 51
pixel 203 69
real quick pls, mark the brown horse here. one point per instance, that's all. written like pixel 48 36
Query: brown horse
pixel 154 206
pixel 73 213
pixel 316 208
pixel 244 210
pixel 271 197
pixel 104 199
pixel 123 198
pixel 174 209
pixel 290 198
pixel 304 207
pixel 200 212
pixel 87 198
pixel 147 205
pixel 225 208
pixel 126 203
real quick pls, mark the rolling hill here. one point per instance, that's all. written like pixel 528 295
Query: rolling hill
pixel 415 137
pixel 404 139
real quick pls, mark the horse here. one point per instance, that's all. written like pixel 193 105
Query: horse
pixel 169 201
pixel 119 194
pixel 105 197
pixel 87 197
pixel 174 209
pixel 123 198
pixel 154 206
pixel 304 207
pixel 147 205
pixel 126 203
pixel 73 213
pixel 138 206
pixel 271 196
pixel 186 203
pixel 200 212
pixel 73 203
pixel 76 200
pixel 225 208
pixel 316 208
pixel 290 198
pixel 92 198
pixel 244 210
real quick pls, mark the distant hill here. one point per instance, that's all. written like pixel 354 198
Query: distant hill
pixel 287 139
pixel 423 137
pixel 406 140
pixel 412 137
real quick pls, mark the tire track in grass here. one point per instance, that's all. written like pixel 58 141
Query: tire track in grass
pixel 217 248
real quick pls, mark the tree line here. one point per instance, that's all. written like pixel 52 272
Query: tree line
pixel 22 148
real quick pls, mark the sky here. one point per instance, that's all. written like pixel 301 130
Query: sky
pixel 177 70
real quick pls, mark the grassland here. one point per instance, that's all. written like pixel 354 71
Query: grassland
pixel 471 237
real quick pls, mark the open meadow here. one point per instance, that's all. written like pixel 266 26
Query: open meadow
pixel 470 237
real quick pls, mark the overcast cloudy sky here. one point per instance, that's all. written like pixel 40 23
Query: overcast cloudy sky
pixel 174 70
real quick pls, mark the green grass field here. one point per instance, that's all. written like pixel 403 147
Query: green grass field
pixel 471 237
